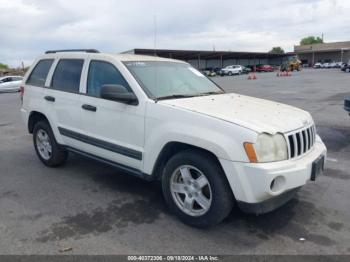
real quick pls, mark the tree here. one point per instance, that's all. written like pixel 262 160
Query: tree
pixel 276 50
pixel 309 40
pixel 3 66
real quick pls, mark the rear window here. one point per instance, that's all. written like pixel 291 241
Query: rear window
pixel 39 73
pixel 67 75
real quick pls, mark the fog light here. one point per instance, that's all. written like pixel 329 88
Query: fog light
pixel 277 184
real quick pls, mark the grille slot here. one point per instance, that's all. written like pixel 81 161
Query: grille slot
pixel 301 141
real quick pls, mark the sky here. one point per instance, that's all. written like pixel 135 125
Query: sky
pixel 29 27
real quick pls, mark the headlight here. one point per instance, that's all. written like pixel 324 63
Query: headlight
pixel 268 148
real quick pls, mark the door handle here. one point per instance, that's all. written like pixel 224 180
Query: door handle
pixel 50 98
pixel 89 107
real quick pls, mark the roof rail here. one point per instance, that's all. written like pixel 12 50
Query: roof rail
pixel 72 50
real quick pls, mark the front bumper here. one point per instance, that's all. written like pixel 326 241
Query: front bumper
pixel 269 204
pixel 252 184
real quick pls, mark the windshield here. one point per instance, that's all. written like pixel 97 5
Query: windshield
pixel 170 79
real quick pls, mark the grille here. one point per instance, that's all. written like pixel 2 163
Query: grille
pixel 301 141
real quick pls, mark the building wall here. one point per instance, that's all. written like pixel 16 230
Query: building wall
pixel 326 52
pixel 324 57
pixel 322 47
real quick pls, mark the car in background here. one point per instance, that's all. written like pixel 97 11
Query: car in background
pixel 333 65
pixel 246 70
pixel 338 64
pixel 265 68
pixel 347 104
pixel 209 71
pixel 343 66
pixel 252 67
pixel 346 68
pixel 318 65
pixel 231 70
pixel 10 83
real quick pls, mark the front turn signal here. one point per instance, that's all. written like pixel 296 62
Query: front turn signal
pixel 250 151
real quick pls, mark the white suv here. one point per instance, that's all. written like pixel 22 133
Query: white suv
pixel 231 70
pixel 162 119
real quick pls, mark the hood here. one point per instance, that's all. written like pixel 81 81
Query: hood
pixel 256 114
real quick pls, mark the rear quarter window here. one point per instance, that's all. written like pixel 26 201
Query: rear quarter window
pixel 38 75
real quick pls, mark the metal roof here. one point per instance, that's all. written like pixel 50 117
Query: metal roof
pixel 202 54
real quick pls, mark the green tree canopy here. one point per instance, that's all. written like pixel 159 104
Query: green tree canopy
pixel 3 66
pixel 309 40
pixel 276 50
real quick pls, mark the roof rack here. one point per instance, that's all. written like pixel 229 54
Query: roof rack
pixel 72 50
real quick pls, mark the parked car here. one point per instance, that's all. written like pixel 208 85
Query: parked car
pixel 338 64
pixel 265 68
pixel 211 150
pixel 333 65
pixel 231 70
pixel 246 70
pixel 318 65
pixel 343 66
pixel 252 67
pixel 346 68
pixel 347 104
pixel 10 83
pixel 209 71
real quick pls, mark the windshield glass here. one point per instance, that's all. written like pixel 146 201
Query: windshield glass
pixel 165 79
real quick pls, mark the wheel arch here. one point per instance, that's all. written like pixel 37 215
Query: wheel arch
pixel 35 117
pixel 172 148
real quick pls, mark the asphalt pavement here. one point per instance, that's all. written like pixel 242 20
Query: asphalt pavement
pixel 88 208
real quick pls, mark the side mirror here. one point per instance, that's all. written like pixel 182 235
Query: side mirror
pixel 118 93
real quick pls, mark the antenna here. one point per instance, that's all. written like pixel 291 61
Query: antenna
pixel 155 33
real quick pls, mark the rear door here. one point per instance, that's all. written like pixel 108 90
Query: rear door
pixel 34 87
pixel 62 99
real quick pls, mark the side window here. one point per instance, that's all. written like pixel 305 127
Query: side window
pixel 67 75
pixel 103 73
pixel 39 73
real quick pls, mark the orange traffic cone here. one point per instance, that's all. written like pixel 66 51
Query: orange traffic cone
pixel 254 76
pixel 249 77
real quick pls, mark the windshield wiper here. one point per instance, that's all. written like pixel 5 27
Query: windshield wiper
pixel 210 93
pixel 173 97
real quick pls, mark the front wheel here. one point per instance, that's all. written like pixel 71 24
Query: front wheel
pixel 196 189
pixel 230 73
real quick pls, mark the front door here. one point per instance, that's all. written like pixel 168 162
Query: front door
pixel 114 130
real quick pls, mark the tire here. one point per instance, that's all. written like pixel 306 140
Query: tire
pixel 46 147
pixel 347 70
pixel 218 198
pixel 230 73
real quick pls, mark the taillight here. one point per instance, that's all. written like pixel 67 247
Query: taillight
pixel 21 90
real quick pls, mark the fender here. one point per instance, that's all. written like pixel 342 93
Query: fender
pixel 224 140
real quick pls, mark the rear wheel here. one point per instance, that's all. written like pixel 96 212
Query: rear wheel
pixel 196 190
pixel 230 73
pixel 46 147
